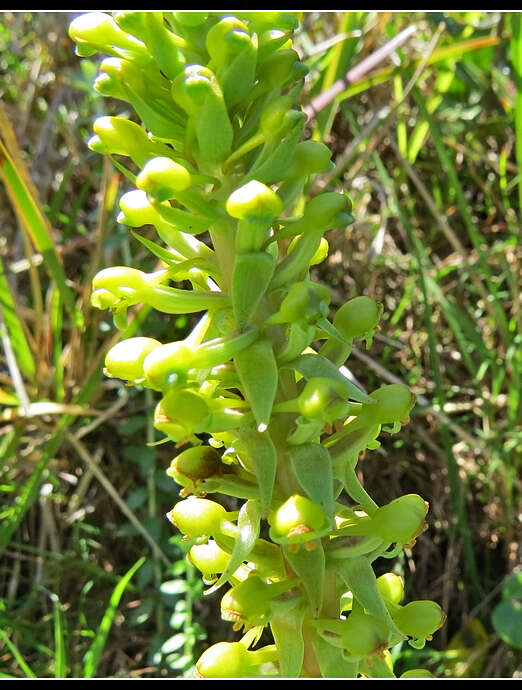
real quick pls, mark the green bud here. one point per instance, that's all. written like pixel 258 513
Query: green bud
pixel 324 209
pixel 170 363
pixel 162 178
pixel 234 660
pixel 364 635
pixel 123 137
pixel 181 413
pixel 297 520
pixel 401 520
pixel 394 403
pixel 254 202
pixel 417 673
pixel 224 660
pixel 225 38
pixel 281 68
pixel 419 619
pixel 125 359
pixel 197 517
pixel 99 30
pixel 323 399
pixel 357 318
pixel 191 18
pixel 391 586
pixel 209 558
pixel 195 464
pixel 249 602
pixel 310 157
pixel 306 301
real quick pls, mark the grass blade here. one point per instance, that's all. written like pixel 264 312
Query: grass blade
pixel 17 656
pixel 93 655
pixel 15 329
pixel 60 634
pixel 24 200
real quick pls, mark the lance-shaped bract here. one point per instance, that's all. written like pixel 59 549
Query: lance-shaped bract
pixel 255 387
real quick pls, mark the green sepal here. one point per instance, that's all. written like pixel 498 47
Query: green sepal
pixel 197 91
pixel 162 44
pixel 309 565
pixel 313 468
pixel 360 579
pixel 262 457
pixel 272 167
pixel 248 527
pixel 257 369
pixel 331 660
pixel 377 667
pixel 250 278
pixel 310 366
pixel 286 625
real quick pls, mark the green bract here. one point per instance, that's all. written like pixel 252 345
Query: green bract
pixel 253 400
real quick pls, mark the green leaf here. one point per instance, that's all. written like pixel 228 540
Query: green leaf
pixel 313 468
pixel 248 522
pixel 257 369
pixel 262 456
pixel 287 630
pixel 311 366
pixel 331 660
pixel 93 656
pixel 507 616
pixel 359 577
pixel 309 566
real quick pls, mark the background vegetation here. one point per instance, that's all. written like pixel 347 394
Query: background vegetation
pixel 428 144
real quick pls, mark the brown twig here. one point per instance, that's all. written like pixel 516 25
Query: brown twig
pixel 358 72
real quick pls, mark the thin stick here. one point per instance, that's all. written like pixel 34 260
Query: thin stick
pixel 356 73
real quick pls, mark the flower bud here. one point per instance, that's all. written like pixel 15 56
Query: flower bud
pixel 323 399
pixel 394 403
pixel 297 520
pixel 322 210
pixel 168 364
pixel 195 464
pixel 124 137
pixel 224 660
pixel 419 619
pixel 358 317
pixel 310 157
pixel 417 673
pixel 248 603
pixel 364 635
pixel 181 413
pixel 99 30
pixel 401 520
pixel 281 68
pixel 254 202
pixel 162 178
pixel 197 517
pixel 226 38
pixel 391 586
pixel 125 359
pixel 191 18
pixel 305 301
pixel 209 558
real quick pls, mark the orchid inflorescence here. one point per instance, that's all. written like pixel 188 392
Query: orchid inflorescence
pixel 254 398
